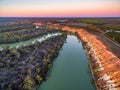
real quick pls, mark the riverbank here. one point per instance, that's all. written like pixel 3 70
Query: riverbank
pixel 23 35
pixel 30 41
pixel 26 67
pixel 105 65
pixel 70 70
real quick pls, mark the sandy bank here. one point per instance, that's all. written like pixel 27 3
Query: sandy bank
pixel 105 65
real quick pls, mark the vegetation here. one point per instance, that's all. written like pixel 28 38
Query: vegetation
pixel 21 35
pixel 15 27
pixel 93 21
pixel 114 36
pixel 111 27
pixel 94 28
pixel 26 67
pixel 101 25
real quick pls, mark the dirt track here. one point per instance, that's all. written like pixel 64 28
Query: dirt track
pixel 111 45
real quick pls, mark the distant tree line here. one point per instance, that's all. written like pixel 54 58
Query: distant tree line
pixel 15 27
pixel 21 35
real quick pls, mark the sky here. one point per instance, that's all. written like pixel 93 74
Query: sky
pixel 59 8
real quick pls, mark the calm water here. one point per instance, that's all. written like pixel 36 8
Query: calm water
pixel 27 42
pixel 70 69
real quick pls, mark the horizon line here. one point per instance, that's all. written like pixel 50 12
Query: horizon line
pixel 59 16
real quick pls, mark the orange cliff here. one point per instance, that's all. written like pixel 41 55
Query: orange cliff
pixel 105 65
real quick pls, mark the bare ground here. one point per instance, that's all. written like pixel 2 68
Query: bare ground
pixel 111 45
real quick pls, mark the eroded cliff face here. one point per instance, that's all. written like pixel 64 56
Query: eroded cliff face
pixel 70 29
pixel 105 65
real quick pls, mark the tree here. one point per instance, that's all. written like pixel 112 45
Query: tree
pixel 5 48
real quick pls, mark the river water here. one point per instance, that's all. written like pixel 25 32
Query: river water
pixel 70 70
pixel 30 41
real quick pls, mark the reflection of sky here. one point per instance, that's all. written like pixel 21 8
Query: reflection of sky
pixel 59 7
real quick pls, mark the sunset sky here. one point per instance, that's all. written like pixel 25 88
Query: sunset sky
pixel 60 8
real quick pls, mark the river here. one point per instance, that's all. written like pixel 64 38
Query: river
pixel 70 70
pixel 30 41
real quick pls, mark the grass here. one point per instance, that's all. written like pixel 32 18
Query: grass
pixel 114 35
